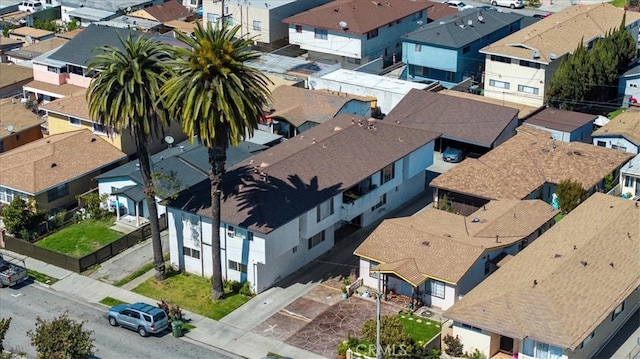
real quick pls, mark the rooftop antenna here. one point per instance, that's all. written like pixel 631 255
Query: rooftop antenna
pixel 10 128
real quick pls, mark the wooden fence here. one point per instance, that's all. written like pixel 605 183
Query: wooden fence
pixel 81 264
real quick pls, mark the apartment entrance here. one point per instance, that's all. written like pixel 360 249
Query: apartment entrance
pixel 506 344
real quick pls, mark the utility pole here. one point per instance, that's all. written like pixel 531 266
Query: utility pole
pixel 378 318
pixel 222 13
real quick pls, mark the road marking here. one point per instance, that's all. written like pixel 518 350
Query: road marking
pixel 16 295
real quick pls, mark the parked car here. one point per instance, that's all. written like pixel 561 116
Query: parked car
pixel 12 270
pixel 458 4
pixel 143 318
pixel 452 155
pixel 541 16
pixel 490 8
pixel 30 6
pixel 514 4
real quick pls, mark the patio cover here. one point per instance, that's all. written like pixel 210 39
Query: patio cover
pixel 407 269
pixel 134 192
pixel 91 14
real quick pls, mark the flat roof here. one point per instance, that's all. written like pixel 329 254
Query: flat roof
pixel 91 14
pixel 380 83
pixel 561 120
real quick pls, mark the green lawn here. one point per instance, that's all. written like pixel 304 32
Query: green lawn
pixel 80 239
pixel 420 328
pixel 558 217
pixel 41 277
pixel 111 302
pixel 618 3
pixel 615 113
pixel 192 293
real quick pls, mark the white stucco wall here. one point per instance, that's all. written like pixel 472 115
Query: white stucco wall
pixel 472 339
pixel 515 75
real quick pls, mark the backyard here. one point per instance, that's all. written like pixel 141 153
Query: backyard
pixel 80 239
pixel 420 329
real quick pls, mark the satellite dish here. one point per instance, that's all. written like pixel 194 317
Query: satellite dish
pixel 169 140
pixel 470 22
pixel 480 18
pixel 27 38
pixel 10 128
pixel 343 24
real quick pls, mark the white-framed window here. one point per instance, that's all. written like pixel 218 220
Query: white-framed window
pixel 540 350
pixel 242 268
pixel 387 173
pixel 190 252
pixel 616 312
pixel 381 202
pixel 371 265
pixel 499 84
pixel 324 210
pixel 628 182
pixel 418 48
pixel 321 34
pixel 99 129
pixel 74 121
pixel 435 288
pixel 212 17
pixel 528 89
pixel 257 25
pixel 587 339
pixel 618 147
pixel 231 232
pixel 317 239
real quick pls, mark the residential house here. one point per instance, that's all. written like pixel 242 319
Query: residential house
pixel 524 111
pixel 72 113
pixel 439 10
pixel 527 166
pixel 621 133
pixel 163 12
pixel 186 27
pixel 18 125
pixel 192 4
pixel 355 32
pixel 295 109
pixel 545 303
pixel 29 35
pixel 519 67
pixel 630 179
pixel 387 91
pixel 284 207
pixel 89 11
pixel 563 125
pixel 448 50
pixel 261 20
pixel 6 45
pixel 55 169
pixel 32 51
pixel 178 167
pixel 628 86
pixel 12 78
pixel 437 257
pixel 464 123
pixel 130 22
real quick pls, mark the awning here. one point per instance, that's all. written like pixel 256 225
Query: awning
pixel 134 192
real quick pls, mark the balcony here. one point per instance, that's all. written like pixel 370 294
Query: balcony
pixel 354 193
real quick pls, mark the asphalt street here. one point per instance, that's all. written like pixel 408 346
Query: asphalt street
pixel 25 304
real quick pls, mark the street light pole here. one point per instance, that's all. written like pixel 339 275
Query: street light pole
pixel 378 318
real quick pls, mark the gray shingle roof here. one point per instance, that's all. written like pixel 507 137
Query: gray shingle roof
pixel 447 32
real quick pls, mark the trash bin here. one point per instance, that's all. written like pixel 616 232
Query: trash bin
pixel 176 326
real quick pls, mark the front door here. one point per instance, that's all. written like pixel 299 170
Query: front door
pixel 506 344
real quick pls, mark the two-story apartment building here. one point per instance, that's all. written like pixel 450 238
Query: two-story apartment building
pixel 447 50
pixel 565 295
pixel 354 32
pixel 519 67
pixel 286 206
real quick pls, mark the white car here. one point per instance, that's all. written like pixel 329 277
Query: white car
pixel 514 4
pixel 458 4
pixel 30 6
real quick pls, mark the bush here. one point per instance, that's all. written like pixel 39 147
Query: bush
pixel 4 326
pixel 231 286
pixel 475 355
pixel 454 345
pixel 246 289
pixel 61 338
pixel 173 311
pixel 57 220
pixel 392 334
pixel 21 217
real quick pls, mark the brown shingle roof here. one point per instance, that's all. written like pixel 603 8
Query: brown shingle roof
pixel 31 31
pixel 29 168
pixel 167 11
pixel 525 162
pixel 13 113
pixel 596 243
pixel 457 118
pixel 455 241
pixel 562 32
pixel 626 124
pixel 305 171
pixel 361 16
pixel 561 120
pixel 524 110
pixel 438 10
pixel 298 105
pixel 10 74
pixel 68 35
pixel 73 105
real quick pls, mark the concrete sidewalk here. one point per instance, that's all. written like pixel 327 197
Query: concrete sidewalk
pixel 207 332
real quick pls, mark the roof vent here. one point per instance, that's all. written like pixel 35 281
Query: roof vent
pixel 426 243
pixel 475 220
pixel 343 25
pixel 584 263
pixel 535 54
pixel 93 139
pixel 552 56
pixel 557 255
pixel 53 165
pixel 470 22
pixel 577 153
pixel 480 19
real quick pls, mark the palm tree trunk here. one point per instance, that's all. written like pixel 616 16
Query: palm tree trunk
pixel 150 198
pixel 217 159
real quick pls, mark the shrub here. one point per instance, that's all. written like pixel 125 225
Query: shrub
pixel 454 345
pixel 4 326
pixel 172 310
pixel 57 220
pixel 570 194
pixel 476 354
pixel 232 286
pixel 61 338
pixel 392 334
pixel 342 348
pixel 246 289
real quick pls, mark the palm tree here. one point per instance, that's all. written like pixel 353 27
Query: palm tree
pixel 124 97
pixel 218 99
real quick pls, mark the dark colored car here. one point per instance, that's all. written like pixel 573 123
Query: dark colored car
pixel 143 318
pixel 453 155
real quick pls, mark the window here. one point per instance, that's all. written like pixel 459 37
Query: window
pixel 418 48
pixel 387 174
pixel 74 121
pixel 55 70
pixel 616 312
pixel 602 143
pixel 372 264
pixel 99 129
pixel 324 210
pixel 487 267
pixel 535 65
pixel 420 71
pixel 75 70
pixel 587 339
pixel 242 268
pixel 257 25
pixel 466 49
pixel 371 34
pixel 499 84
pixel 381 202
pixel 321 34
pixel 435 288
pixel 212 17
pixel 528 89
pixel 295 249
pixel 190 252
pixel 451 76
pixel 57 192
pixel 540 350
pixel 416 16
pixel 391 24
pixel 471 327
pixel 500 59
pixel 317 239
pixel 618 147
pixel 628 181
pixel 250 236
pixel 231 232
pixel 299 29
pixel 353 60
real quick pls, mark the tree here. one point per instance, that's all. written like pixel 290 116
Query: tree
pixel 4 326
pixel 61 338
pixel 20 216
pixel 49 25
pixel 125 96
pixel 218 99
pixel 570 195
pixel 393 335
pixel 92 201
